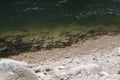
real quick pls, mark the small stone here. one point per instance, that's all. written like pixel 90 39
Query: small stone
pixel 42 76
pixel 94 59
pixel 61 67
pixel 118 72
pixel 62 79
pixel 102 73
pixel 118 54
pixel 37 69
pixel 48 69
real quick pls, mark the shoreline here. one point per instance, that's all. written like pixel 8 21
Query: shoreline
pixel 16 45
pixel 103 43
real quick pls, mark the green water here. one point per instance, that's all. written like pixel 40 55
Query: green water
pixel 34 24
pixel 38 14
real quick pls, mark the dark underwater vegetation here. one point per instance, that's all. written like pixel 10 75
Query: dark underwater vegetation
pixel 32 25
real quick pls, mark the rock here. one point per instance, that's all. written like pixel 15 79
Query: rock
pixel 13 62
pixel 62 79
pixel 103 73
pixel 94 58
pixel 22 73
pixel 16 70
pixel 61 67
pixel 32 65
pixel 37 69
pixel 117 51
pixel 48 69
pixel 3 48
pixel 118 72
pixel 59 74
pixel 93 68
pixel 42 76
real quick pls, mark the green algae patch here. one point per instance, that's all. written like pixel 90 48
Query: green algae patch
pixel 22 40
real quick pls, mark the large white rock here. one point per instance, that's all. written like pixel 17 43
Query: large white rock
pixel 15 70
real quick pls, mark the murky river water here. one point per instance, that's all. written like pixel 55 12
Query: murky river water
pixel 38 14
